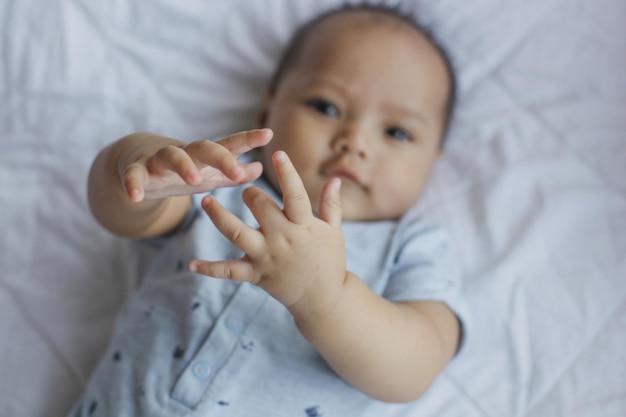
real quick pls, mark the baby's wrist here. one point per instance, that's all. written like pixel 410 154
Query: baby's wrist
pixel 317 304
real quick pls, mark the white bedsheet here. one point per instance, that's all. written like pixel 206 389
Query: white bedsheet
pixel 533 185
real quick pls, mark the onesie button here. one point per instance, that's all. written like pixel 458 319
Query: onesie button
pixel 234 323
pixel 201 370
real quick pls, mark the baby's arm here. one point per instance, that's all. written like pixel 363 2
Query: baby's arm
pixel 390 351
pixel 140 185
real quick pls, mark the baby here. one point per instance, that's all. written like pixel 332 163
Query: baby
pixel 330 302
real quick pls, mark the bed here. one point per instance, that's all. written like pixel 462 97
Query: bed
pixel 532 185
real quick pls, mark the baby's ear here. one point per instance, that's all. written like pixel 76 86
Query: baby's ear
pixel 261 117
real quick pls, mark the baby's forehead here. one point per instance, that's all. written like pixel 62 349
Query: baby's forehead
pixel 363 20
pixel 362 26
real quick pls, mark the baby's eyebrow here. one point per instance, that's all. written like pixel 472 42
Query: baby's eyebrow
pixel 324 81
pixel 404 111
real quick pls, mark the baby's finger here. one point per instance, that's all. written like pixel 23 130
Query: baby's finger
pixel 330 204
pixel 237 270
pixel 217 156
pixel 135 176
pixel 296 200
pixel 264 209
pixel 172 158
pixel 242 142
pixel 240 234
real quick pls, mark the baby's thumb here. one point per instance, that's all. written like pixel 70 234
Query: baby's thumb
pixel 330 204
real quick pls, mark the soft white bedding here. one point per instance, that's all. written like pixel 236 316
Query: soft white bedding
pixel 533 185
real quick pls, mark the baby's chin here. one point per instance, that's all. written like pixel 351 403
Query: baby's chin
pixel 352 211
pixel 357 205
pixel 368 211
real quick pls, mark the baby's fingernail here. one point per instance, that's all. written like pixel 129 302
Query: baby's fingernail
pixel 267 133
pixel 193 267
pixel 134 194
pixel 193 176
pixel 236 173
pixel 206 201
pixel 281 156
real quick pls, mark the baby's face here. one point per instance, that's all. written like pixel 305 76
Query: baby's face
pixel 364 101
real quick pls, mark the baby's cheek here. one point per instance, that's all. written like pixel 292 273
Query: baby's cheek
pixel 399 197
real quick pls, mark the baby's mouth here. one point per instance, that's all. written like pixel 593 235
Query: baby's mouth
pixel 344 172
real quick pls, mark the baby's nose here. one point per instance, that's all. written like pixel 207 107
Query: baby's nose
pixel 352 141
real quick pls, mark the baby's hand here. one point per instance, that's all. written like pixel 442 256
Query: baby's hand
pixel 191 168
pixel 297 258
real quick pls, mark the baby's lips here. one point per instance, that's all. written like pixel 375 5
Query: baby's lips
pixel 343 172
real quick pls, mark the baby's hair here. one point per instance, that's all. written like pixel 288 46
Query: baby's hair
pixel 290 54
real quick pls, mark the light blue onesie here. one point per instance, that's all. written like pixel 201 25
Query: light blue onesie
pixel 189 345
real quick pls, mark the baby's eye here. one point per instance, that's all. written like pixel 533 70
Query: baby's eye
pixel 324 107
pixel 399 134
